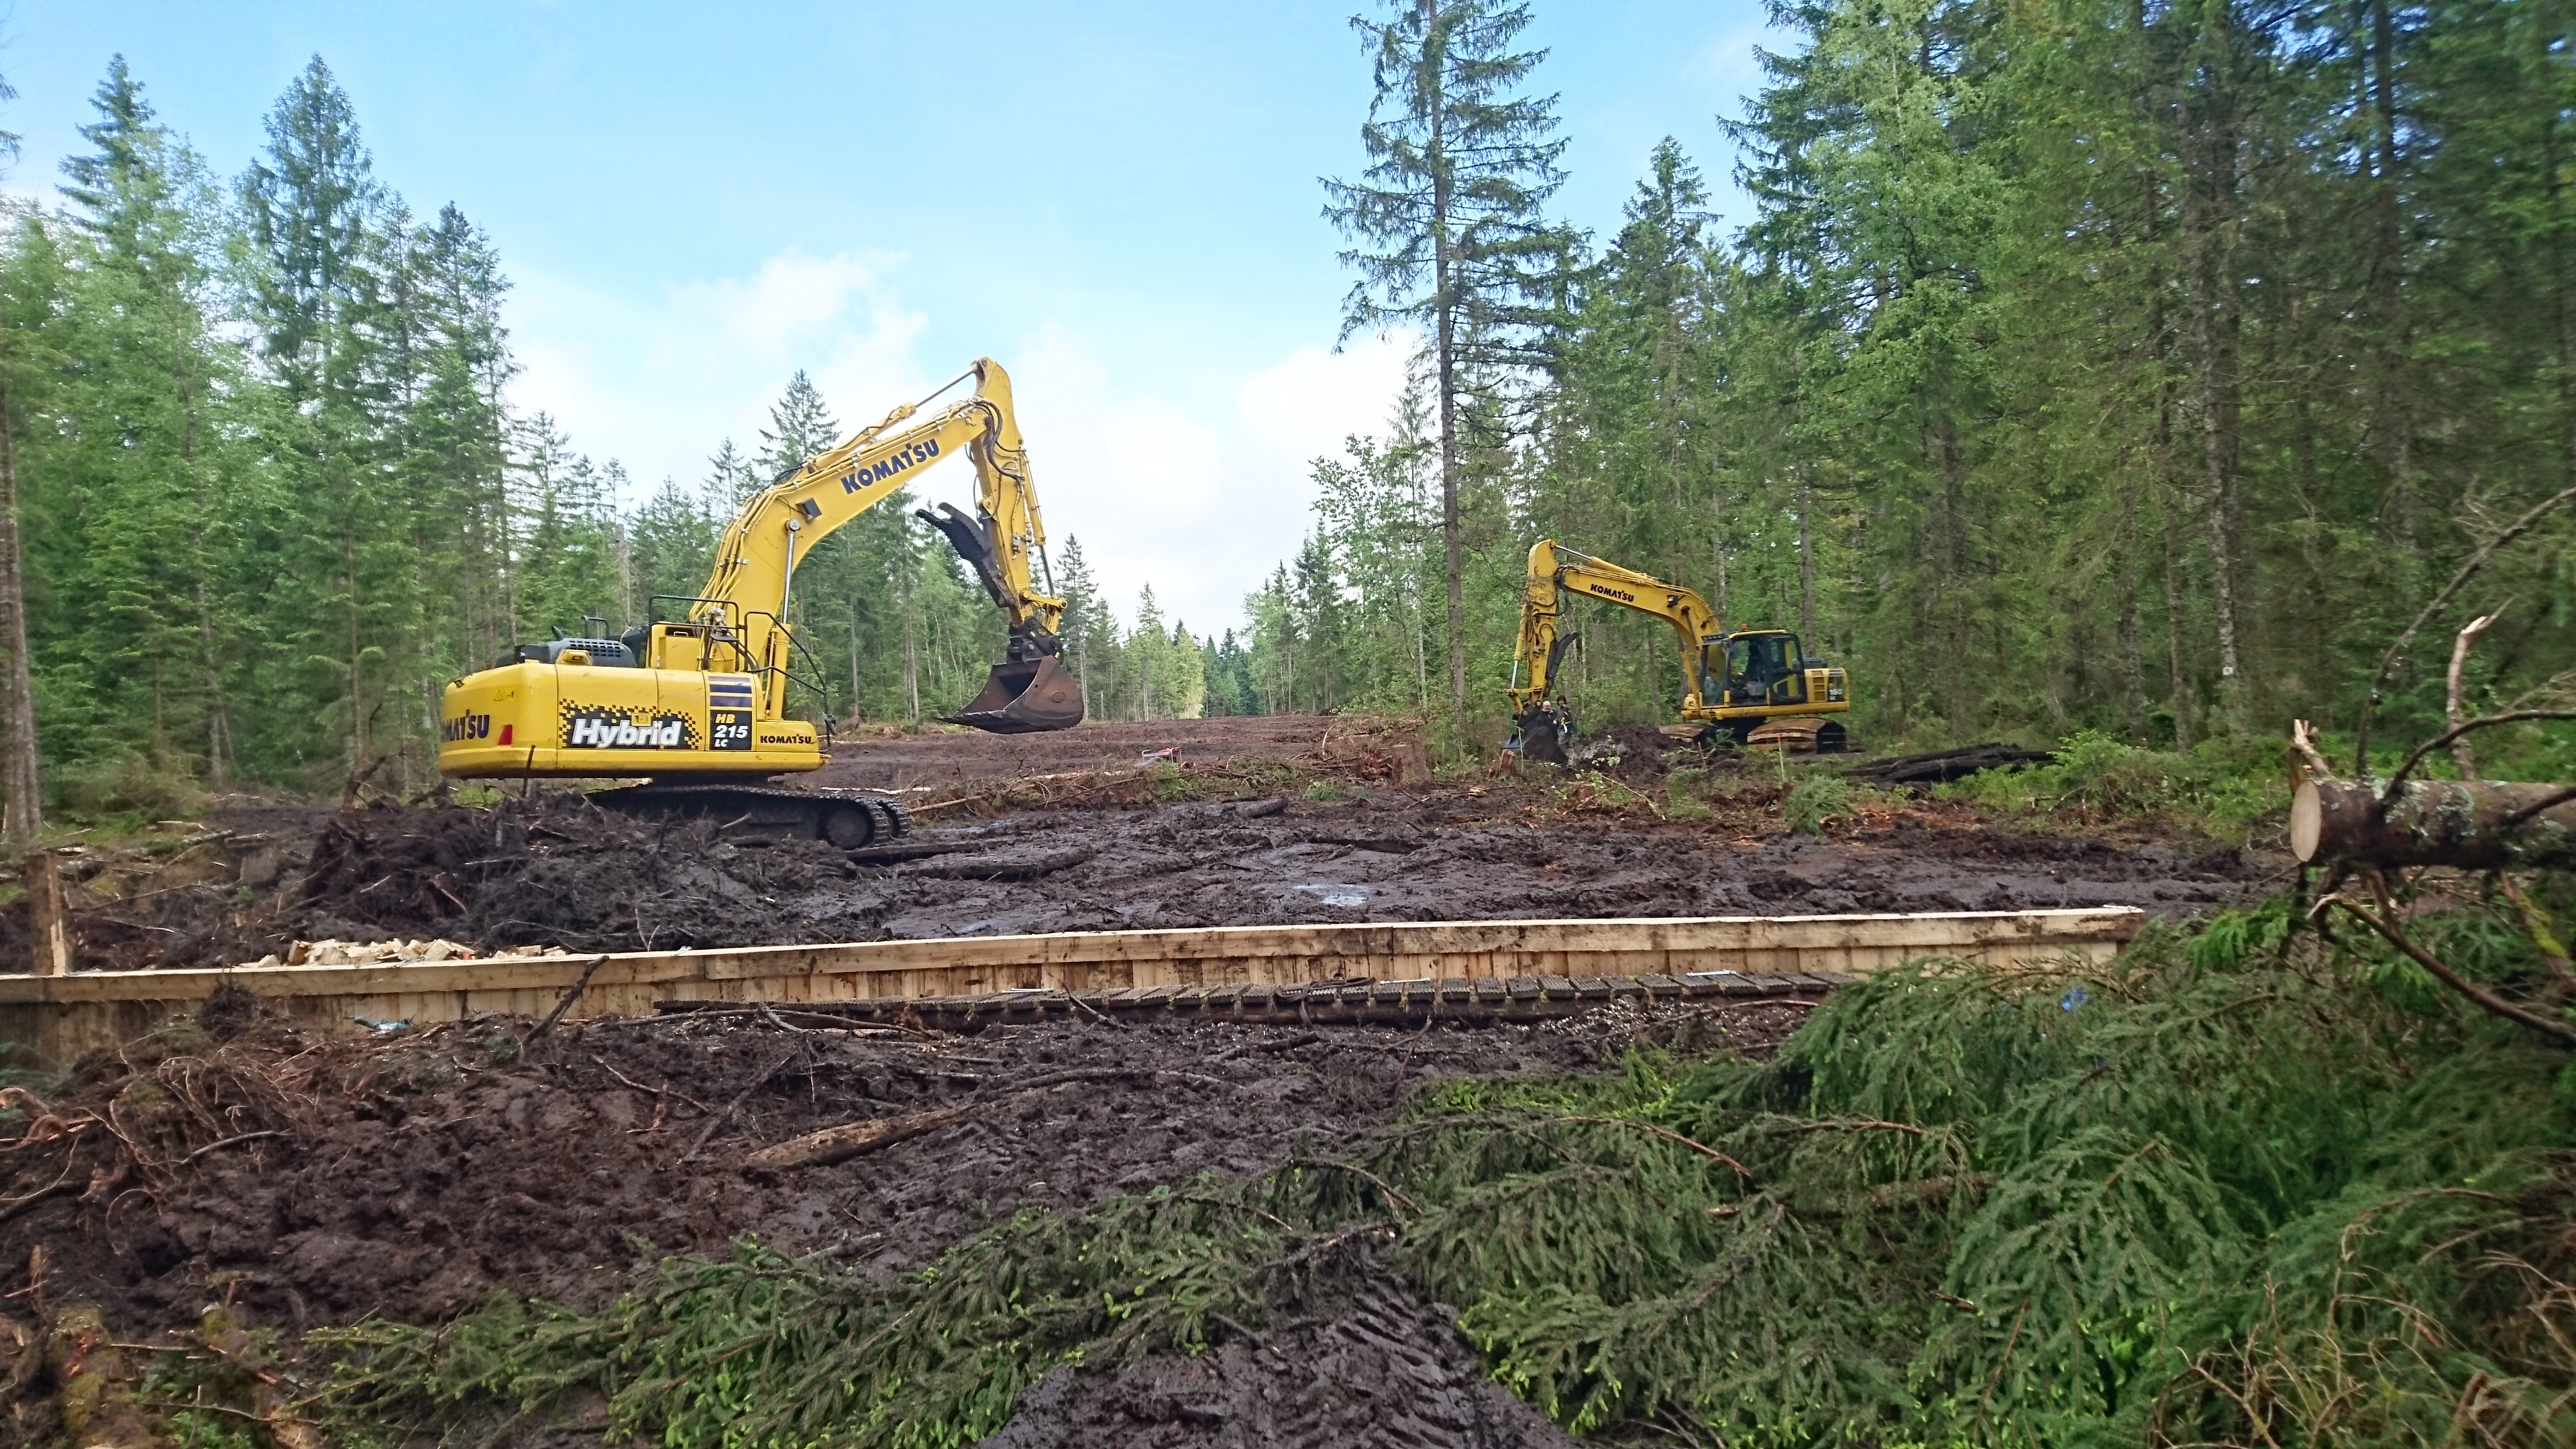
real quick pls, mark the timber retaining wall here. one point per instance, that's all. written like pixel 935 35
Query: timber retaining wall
pixel 60 1017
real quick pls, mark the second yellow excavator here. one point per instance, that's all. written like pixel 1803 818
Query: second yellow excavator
pixel 1737 682
pixel 697 704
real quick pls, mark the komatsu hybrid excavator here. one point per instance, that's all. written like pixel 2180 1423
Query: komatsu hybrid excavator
pixel 697 704
pixel 1736 682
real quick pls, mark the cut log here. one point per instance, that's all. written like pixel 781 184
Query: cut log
pixel 48 918
pixel 840 1144
pixel 1943 766
pixel 2474 825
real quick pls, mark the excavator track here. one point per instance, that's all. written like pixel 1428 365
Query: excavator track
pixel 1459 1001
pixel 850 819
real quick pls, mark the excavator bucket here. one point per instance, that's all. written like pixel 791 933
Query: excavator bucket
pixel 1541 737
pixel 1022 699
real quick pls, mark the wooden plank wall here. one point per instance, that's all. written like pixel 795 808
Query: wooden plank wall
pixel 60 1017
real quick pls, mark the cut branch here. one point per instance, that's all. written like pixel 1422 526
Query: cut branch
pixel 2485 999
pixel 2388 661
pixel 2511 716
pixel 2303 738
pixel 2452 713
pixel 853 1139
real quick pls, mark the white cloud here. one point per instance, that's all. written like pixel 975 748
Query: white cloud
pixel 1196 484
pixel 1310 403
pixel 1200 503
pixel 658 384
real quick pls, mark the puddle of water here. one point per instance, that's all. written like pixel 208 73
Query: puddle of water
pixel 1338 895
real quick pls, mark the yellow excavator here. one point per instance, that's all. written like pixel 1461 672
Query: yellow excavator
pixel 696 704
pixel 1735 682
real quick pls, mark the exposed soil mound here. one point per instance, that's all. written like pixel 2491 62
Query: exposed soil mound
pixel 556 870
pixel 393 867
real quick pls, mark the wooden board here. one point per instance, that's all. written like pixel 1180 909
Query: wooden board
pixel 60 1017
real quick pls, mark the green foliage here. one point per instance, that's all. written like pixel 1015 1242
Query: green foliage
pixel 2217 1192
pixel 2046 396
pixel 2222 786
pixel 1814 800
pixel 275 497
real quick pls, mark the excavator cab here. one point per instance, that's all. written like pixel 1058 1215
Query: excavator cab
pixel 1765 666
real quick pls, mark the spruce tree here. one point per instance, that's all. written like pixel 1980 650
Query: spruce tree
pixel 1447 223
pixel 29 287
pixel 800 426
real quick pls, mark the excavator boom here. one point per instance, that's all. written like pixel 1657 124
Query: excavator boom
pixel 755 563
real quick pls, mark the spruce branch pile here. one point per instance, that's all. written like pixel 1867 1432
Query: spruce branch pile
pixel 2239 1189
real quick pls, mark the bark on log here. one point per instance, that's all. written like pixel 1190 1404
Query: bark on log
pixel 2474 825
pixel 840 1144
pixel 49 930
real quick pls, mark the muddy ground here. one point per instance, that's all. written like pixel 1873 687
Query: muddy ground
pixel 308 1182
pixel 1337 833
pixel 885 758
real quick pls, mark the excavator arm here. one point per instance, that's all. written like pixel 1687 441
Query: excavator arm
pixel 697 704
pixel 1555 571
pixel 751 585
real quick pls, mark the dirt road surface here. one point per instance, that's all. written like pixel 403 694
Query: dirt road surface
pixel 313 1183
pixel 888 759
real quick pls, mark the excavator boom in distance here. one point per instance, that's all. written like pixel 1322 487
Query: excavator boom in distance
pixel 697 703
pixel 1734 681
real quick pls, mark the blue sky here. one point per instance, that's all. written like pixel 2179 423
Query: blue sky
pixel 1118 201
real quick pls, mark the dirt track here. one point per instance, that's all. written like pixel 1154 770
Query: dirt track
pixel 888 759
pixel 316 1183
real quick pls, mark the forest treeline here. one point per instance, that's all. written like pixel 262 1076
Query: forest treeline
pixel 275 495
pixel 2083 364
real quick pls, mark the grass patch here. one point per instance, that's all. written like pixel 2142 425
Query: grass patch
pixel 1815 800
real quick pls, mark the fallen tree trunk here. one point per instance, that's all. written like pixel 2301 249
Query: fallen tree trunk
pixel 840 1144
pixel 2472 824
pixel 1943 766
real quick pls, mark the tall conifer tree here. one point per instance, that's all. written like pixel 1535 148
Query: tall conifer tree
pixel 1447 222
